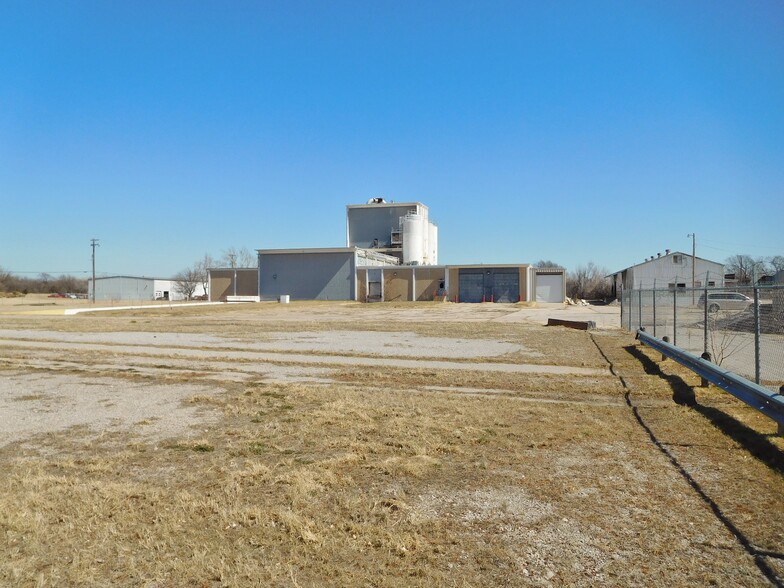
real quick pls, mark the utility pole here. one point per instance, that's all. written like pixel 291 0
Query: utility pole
pixel 693 264
pixel 94 244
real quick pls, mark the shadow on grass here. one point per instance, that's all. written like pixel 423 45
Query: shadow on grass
pixel 753 441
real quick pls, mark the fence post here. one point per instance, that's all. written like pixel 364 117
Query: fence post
pixel 705 323
pixel 675 316
pixel 654 308
pixel 639 309
pixel 756 336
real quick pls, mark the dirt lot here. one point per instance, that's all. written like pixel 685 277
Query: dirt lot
pixel 341 444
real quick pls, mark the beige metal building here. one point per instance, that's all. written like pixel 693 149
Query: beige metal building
pixel 227 281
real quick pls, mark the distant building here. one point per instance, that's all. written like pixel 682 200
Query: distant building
pixel 137 288
pixel 671 270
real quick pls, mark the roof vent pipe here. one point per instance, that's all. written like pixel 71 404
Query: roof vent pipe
pixel 666 252
pixel 658 255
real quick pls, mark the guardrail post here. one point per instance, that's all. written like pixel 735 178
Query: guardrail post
pixel 666 339
pixel 781 425
pixel 707 357
pixel 756 336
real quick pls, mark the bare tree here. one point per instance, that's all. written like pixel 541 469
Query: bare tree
pixel 723 342
pixel 201 268
pixel 5 278
pixel 746 268
pixel 186 281
pixel 242 257
pixel 546 263
pixel 588 281
pixel 776 262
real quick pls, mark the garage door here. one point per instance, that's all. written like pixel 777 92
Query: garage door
pixel 472 286
pixel 506 286
pixel 549 287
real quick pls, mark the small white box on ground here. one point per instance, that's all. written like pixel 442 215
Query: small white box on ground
pixel 284 298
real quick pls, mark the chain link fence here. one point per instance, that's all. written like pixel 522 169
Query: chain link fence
pixel 742 328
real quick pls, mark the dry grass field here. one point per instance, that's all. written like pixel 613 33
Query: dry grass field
pixel 340 444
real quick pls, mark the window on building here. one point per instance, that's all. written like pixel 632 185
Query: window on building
pixel 678 259
pixel 711 283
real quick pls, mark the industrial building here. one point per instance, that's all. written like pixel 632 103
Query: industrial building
pixel 674 269
pixel 137 288
pixel 391 254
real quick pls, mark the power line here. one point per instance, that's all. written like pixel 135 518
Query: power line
pixel 746 245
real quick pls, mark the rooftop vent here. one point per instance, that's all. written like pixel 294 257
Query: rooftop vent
pixel 376 201
pixel 666 252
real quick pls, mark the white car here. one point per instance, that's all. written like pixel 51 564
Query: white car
pixel 725 301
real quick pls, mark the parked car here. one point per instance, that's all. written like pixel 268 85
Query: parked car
pixel 725 301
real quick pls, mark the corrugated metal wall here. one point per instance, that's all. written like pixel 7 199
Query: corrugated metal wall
pixel 367 224
pixel 124 288
pixel 307 275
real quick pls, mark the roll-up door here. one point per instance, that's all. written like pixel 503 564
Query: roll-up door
pixel 506 286
pixel 549 287
pixel 471 286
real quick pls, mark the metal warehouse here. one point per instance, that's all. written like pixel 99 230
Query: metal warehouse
pixel 136 288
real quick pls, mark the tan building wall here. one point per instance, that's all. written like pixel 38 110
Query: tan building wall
pixel 222 282
pixel 362 285
pixel 454 282
pixel 397 284
pixel 524 282
pixel 428 282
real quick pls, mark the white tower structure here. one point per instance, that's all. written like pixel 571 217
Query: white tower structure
pixel 401 229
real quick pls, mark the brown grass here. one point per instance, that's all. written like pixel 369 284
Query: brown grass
pixel 391 477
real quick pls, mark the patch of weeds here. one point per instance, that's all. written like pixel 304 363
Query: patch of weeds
pixel 276 395
pixel 197 446
pixel 258 448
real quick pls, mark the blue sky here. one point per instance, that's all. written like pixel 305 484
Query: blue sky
pixel 570 131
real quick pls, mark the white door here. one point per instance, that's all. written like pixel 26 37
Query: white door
pixel 549 288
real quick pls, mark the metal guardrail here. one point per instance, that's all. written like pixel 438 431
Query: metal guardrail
pixel 768 403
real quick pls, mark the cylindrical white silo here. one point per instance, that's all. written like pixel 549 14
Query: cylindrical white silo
pixel 413 239
pixel 432 244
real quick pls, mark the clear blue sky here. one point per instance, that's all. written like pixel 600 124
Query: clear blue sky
pixel 571 131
